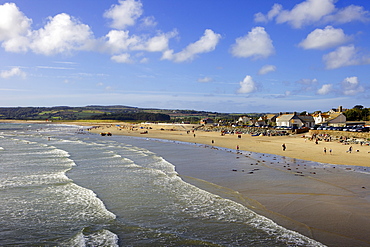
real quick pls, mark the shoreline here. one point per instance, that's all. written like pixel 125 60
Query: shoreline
pixel 330 204
pixel 296 146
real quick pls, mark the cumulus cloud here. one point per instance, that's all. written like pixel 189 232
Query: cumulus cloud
pixel 324 38
pixel 157 43
pixel 205 79
pixel 118 41
pixel 124 14
pixel 344 56
pixel 122 58
pixel 351 86
pixel 14 27
pixel 247 85
pixel 62 34
pixel 307 12
pixel 314 11
pixel 16 71
pixel 267 69
pixel 276 9
pixel 325 89
pixel 206 43
pixel 256 43
pixel 348 14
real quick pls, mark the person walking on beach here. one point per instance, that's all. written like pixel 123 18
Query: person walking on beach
pixel 324 150
pixel 283 146
pixel 237 147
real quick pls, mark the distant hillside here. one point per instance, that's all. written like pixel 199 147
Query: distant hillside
pixel 116 112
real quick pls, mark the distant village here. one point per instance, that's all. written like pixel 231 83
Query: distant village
pixel 331 120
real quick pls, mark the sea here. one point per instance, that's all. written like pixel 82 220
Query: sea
pixel 61 185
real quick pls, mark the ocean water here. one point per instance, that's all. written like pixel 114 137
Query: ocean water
pixel 61 186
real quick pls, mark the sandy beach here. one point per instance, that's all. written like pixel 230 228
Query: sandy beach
pixel 330 205
pixel 296 146
pixel 296 188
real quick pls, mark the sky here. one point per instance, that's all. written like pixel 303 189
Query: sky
pixel 228 56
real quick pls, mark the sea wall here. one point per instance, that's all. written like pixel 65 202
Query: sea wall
pixel 365 135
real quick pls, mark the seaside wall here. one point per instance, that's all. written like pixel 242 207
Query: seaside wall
pixel 365 135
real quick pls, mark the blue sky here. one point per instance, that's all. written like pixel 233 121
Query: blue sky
pixel 224 56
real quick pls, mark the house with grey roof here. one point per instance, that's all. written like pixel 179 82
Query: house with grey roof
pixel 295 121
pixel 336 119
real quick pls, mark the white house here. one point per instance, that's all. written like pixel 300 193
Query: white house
pixel 244 120
pixel 335 119
pixel 295 121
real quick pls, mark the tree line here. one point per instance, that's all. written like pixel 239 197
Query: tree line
pixel 132 116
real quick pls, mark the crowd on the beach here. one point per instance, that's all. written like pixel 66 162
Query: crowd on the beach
pixel 254 131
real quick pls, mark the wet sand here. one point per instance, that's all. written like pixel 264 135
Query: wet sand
pixel 329 203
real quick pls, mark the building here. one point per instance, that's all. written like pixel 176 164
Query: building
pixel 243 120
pixel 206 121
pixel 335 119
pixel 268 119
pixel 295 121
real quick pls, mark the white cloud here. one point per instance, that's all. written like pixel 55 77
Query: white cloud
pixel 14 27
pixel 205 79
pixel 325 89
pixel 276 9
pixel 349 14
pixel 247 85
pixel 118 41
pixel 344 56
pixel 157 43
pixel 62 34
pixel 12 22
pixel 123 58
pixel 206 43
pixel 325 38
pixel 267 69
pixel 12 72
pixel 351 86
pixel 314 11
pixel 124 14
pixel 307 12
pixel 256 43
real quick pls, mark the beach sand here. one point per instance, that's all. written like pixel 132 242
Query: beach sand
pixel 330 204
pixel 296 146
